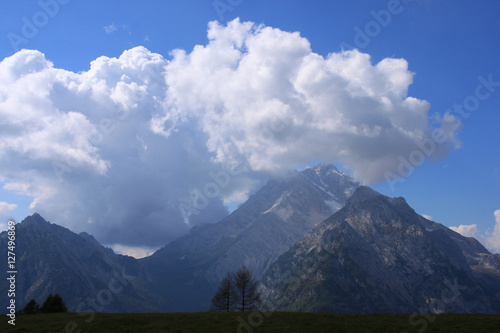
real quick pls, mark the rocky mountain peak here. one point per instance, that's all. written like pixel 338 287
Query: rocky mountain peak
pixel 365 196
pixel 364 193
pixel 336 185
pixel 388 258
pixel 37 221
pixel 53 259
pixel 324 168
pixel 35 218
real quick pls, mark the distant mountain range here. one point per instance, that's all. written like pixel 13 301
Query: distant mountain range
pixel 373 255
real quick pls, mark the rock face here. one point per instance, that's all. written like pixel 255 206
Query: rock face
pixel 89 277
pixel 189 269
pixel 377 255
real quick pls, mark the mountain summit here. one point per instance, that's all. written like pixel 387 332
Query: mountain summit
pixel 377 255
pixel 255 234
pixel 52 259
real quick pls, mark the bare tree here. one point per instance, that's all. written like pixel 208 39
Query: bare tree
pixel 226 297
pixel 248 297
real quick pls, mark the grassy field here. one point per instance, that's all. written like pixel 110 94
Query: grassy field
pixel 250 322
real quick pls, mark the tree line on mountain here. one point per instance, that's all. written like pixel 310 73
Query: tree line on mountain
pixel 237 292
pixel 52 304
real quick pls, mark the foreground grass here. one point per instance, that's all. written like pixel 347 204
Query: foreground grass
pixel 257 322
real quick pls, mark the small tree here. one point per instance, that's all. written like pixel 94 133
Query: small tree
pixel 31 308
pixel 225 298
pixel 53 304
pixel 247 295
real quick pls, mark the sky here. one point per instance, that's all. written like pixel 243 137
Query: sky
pixel 136 120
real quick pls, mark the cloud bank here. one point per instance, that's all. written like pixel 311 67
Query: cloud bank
pixel 493 240
pixel 5 209
pixel 140 148
pixel 490 240
pixel 467 230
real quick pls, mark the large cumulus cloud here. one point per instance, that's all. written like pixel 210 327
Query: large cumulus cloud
pixel 81 146
pixel 262 96
pixel 126 149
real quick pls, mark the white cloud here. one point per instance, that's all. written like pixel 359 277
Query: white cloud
pixel 263 97
pixel 110 28
pixel 76 144
pixel 492 241
pixel 466 230
pixel 132 140
pixel 136 252
pixel 5 216
pixel 6 207
pixel 427 217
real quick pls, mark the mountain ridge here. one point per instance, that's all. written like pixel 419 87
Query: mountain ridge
pixel 186 271
pixel 52 259
pixel 379 252
pixel 254 235
pixel 375 254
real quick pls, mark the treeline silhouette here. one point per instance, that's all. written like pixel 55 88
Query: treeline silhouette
pixel 53 304
pixel 237 292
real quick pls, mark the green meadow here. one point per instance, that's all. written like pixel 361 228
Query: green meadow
pixel 250 322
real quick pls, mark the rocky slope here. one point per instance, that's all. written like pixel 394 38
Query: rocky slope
pixel 377 255
pixel 183 275
pixel 190 268
pixel 89 277
pixel 373 255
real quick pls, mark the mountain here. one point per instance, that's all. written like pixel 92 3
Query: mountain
pixel 89 277
pixel 190 268
pixel 378 255
pixel 183 275
pixel 373 255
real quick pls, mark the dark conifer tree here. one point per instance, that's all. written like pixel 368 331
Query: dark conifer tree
pixel 31 308
pixel 53 304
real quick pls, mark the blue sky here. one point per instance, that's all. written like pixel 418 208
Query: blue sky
pixel 449 45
